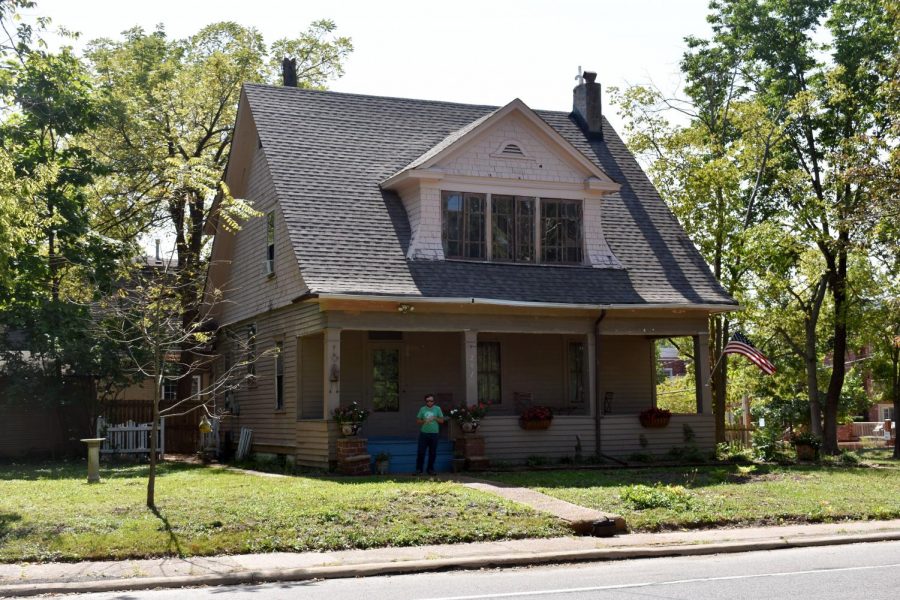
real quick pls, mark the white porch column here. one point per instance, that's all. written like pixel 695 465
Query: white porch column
pixel 470 348
pixel 332 370
pixel 701 369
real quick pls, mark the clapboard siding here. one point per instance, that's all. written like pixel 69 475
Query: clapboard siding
pixel 315 443
pixel 248 291
pixel 273 427
pixel 620 435
pixel 626 371
pixel 311 367
pixel 505 440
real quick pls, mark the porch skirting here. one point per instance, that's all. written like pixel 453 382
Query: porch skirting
pixel 505 440
pixel 621 435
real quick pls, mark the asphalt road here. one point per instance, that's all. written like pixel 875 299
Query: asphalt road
pixel 865 571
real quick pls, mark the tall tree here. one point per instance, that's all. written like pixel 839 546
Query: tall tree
pixel 169 110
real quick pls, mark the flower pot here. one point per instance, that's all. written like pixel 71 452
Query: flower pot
pixel 469 426
pixel 655 422
pixel 349 429
pixel 542 424
pixel 806 452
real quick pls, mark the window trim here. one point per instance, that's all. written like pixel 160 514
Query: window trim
pixel 463 234
pixel 270 244
pixel 279 375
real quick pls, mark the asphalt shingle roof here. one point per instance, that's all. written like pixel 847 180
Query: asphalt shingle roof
pixel 328 151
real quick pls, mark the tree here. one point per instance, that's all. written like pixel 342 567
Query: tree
pixel 829 104
pixel 52 256
pixel 140 322
pixel 169 108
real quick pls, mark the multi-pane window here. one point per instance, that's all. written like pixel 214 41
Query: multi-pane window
pixel 270 243
pixel 576 374
pixel 489 372
pixel 386 379
pixel 522 229
pixel 512 228
pixel 279 375
pixel 561 231
pixel 463 230
pixel 170 389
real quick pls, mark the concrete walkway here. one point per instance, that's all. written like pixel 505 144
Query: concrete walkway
pixel 582 520
pixel 44 578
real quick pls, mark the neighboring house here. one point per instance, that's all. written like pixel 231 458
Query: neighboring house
pixel 671 362
pixel 505 255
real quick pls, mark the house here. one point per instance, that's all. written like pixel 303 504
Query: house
pixel 508 255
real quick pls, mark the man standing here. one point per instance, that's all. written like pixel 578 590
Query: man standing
pixel 430 418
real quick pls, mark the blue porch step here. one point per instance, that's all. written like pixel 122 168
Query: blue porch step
pixel 403 453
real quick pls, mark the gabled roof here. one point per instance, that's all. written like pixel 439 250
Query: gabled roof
pixel 459 138
pixel 328 153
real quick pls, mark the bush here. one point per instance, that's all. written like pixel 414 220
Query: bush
pixel 766 443
pixel 642 497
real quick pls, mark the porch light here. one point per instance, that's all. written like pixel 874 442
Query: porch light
pixel 405 308
pixel 205 425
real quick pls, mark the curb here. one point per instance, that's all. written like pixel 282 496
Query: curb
pixel 422 566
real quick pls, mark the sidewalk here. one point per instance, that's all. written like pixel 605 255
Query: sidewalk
pixel 32 579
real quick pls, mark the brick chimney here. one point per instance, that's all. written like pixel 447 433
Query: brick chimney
pixel 289 72
pixel 586 106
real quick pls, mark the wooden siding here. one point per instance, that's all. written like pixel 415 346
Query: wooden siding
pixel 315 444
pixel 505 440
pixel 273 427
pixel 626 371
pixel 239 257
pixel 620 435
pixel 430 322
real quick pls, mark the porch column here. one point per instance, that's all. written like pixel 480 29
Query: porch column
pixel 332 370
pixel 470 348
pixel 701 370
pixel 591 360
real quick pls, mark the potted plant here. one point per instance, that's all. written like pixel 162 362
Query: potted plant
pixel 655 417
pixel 536 417
pixel 469 417
pixel 806 445
pixel 350 418
pixel 382 463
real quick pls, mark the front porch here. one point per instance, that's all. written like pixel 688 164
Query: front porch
pixel 595 384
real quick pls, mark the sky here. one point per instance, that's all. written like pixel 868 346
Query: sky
pixel 479 52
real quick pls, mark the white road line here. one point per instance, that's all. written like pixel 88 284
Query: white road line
pixel 652 583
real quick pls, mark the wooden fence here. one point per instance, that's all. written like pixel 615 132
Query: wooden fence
pixel 182 432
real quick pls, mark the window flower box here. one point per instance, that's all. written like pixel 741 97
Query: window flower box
pixel 536 417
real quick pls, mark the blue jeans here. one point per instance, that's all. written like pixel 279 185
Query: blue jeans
pixel 427 441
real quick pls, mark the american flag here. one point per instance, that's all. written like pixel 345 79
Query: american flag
pixel 739 344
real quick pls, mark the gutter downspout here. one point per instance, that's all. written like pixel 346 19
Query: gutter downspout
pixel 597 402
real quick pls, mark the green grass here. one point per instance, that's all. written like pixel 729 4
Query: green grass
pixel 729 495
pixel 49 512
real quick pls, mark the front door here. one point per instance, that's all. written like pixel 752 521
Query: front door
pixel 384 374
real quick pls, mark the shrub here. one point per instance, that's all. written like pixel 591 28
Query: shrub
pixel 766 443
pixel 642 497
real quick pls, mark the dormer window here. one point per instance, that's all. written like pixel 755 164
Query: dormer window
pixel 463 230
pixel 506 228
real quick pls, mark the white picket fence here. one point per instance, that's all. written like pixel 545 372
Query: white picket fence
pixel 130 437
pixel 873 429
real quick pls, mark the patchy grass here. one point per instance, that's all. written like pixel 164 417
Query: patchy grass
pixel 48 512
pixel 733 495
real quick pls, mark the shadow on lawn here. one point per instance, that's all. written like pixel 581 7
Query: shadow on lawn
pixel 5 520
pixel 174 545
pixel 689 477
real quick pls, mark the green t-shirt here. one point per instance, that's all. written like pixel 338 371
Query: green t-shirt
pixel 431 425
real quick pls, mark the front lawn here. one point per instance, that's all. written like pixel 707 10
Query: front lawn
pixel 49 512
pixel 663 498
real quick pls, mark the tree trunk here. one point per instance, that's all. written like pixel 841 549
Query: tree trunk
pixel 154 435
pixel 811 358
pixel 895 388
pixel 838 285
